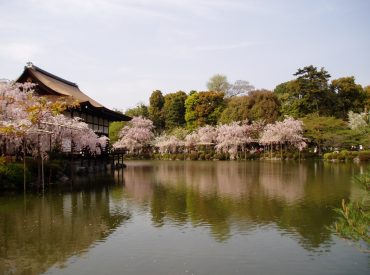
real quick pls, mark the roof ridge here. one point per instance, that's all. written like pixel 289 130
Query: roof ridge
pixel 32 66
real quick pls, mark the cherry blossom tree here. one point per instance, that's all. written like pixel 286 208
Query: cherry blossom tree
pixel 76 131
pixel 356 121
pixel 231 137
pixel 136 135
pixel 286 132
pixel 293 133
pixel 36 125
pixel 205 135
pixel 103 141
pixel 21 114
pixel 254 130
pixel 168 144
pixel 32 124
pixel 25 116
pixel 191 140
pixel 227 138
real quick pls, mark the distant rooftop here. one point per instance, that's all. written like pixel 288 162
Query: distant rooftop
pixel 4 80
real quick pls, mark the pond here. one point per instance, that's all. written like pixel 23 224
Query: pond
pixel 185 217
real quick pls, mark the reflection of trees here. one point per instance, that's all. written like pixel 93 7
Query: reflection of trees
pixel 40 232
pixel 279 182
pixel 140 185
pixel 227 196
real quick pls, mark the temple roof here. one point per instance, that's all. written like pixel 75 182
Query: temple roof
pixel 57 86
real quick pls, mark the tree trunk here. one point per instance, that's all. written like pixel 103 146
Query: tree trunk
pixel 24 166
pixel 271 151
pixel 281 152
pixel 42 174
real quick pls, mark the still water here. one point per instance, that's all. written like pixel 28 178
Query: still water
pixel 175 217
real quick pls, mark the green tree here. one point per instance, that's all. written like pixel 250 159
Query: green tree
pixel 290 99
pixel 179 132
pixel 203 108
pixel 237 109
pixel 218 83
pixel 325 131
pixel 308 93
pixel 139 110
pixel 314 90
pixel 190 110
pixel 263 105
pixel 174 110
pixel 156 103
pixel 114 129
pixel 367 100
pixel 350 96
pixel 364 138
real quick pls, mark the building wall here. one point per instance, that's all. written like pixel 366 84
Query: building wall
pixel 97 124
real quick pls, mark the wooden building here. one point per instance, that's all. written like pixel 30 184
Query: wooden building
pixel 93 113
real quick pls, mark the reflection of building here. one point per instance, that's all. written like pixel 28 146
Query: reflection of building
pixel 93 113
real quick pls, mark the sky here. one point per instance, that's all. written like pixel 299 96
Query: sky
pixel 119 51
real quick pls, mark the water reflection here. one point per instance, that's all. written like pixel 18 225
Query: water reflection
pixel 38 232
pixel 221 199
pixel 237 197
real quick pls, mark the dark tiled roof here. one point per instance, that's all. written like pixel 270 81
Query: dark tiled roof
pixel 62 87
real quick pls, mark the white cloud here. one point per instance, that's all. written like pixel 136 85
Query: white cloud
pixel 165 9
pixel 104 8
pixel 61 6
pixel 20 52
pixel 223 47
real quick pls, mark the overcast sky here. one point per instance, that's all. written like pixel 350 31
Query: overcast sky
pixel 119 51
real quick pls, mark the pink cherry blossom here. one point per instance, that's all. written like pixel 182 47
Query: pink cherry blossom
pixel 136 135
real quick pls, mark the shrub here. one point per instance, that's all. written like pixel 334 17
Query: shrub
pixel 328 156
pixel 54 167
pixel 222 156
pixel 208 156
pixel 157 156
pixel 11 176
pixel 345 155
pixel 295 155
pixel 341 156
pixel 193 156
pixel 202 156
pixel 353 220
pixel 364 156
pixel 181 156
pixel 288 155
pixel 163 156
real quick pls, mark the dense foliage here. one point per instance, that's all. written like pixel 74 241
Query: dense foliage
pixel 333 114
pixel 174 108
pixel 203 108
pixel 311 92
pixel 156 103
